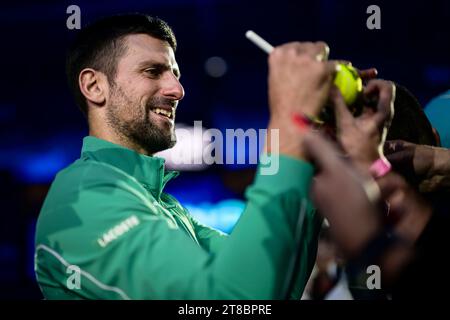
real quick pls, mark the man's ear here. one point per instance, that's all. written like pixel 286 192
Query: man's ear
pixel 437 137
pixel 94 86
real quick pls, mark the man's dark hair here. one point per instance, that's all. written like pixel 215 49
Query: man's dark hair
pixel 100 45
pixel 410 122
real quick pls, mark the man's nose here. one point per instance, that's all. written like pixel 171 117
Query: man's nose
pixel 172 88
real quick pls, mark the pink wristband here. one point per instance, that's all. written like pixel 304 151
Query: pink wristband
pixel 380 167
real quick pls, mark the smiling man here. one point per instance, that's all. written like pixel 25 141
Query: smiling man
pixel 108 231
pixel 129 87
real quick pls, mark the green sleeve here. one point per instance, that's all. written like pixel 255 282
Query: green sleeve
pixel 212 240
pixel 209 238
pixel 154 260
pixel 309 237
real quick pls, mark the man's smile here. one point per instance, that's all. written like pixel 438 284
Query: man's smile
pixel 167 112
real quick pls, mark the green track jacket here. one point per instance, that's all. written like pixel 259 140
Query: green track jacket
pixel 108 231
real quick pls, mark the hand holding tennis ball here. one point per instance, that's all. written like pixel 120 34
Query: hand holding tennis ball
pixel 349 83
pixel 346 79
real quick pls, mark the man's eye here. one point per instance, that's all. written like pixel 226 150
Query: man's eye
pixel 152 72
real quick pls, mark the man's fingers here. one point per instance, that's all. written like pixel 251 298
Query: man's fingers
pixel 385 106
pixel 331 67
pixel 368 74
pixel 344 118
pixel 400 153
pixel 392 146
pixel 322 152
pixel 317 50
pixel 399 157
pixel 324 51
pixel 385 91
pixel 346 62
pixel 390 183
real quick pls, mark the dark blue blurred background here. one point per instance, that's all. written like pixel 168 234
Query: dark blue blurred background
pixel 41 128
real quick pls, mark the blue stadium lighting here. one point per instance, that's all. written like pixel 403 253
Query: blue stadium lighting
pixel 40 167
pixel 222 215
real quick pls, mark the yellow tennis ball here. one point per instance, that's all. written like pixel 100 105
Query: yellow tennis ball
pixel 348 82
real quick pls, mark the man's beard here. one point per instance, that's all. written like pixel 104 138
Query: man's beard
pixel 139 130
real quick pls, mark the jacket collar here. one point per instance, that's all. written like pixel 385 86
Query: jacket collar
pixel 148 170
